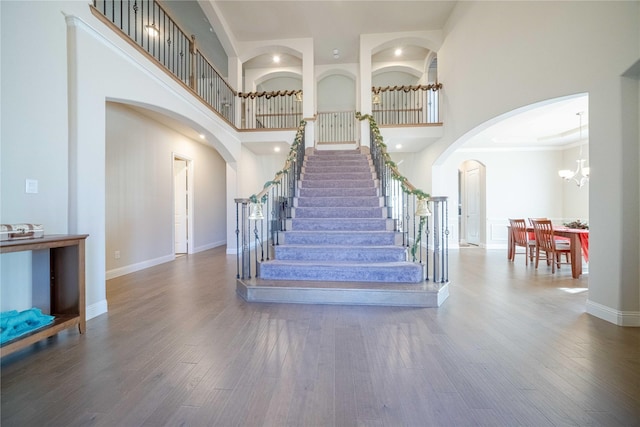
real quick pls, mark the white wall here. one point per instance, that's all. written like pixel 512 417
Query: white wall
pixel 280 83
pixel 336 93
pixel 575 200
pixel 54 121
pixel 139 191
pixel 34 133
pixel 519 184
pixel 393 78
pixel 496 57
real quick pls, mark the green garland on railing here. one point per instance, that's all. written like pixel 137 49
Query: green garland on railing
pixel 395 174
pixel 378 140
pixel 298 139
pixel 414 248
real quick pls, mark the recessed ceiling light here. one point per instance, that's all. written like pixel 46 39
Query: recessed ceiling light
pixel 276 58
pixel 201 136
pixel 398 146
pixel 276 149
pixel 398 52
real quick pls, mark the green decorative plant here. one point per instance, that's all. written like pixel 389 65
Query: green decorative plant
pixel 577 224
pixel 395 174
pixel 290 158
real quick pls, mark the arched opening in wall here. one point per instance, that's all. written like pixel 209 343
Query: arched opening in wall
pixel 270 64
pixel 432 71
pixel 280 83
pixel 471 203
pixel 390 77
pixel 275 102
pixel 336 106
pixel 143 189
pixel 522 152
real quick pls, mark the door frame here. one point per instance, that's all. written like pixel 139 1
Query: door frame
pixel 462 200
pixel 190 196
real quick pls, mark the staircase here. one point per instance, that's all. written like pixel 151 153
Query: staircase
pixel 339 231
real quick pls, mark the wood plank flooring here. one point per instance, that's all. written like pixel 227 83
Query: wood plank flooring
pixel 512 346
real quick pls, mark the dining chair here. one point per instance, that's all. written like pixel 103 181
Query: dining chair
pixel 546 242
pixel 522 239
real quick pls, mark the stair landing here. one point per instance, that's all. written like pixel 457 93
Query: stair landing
pixel 425 294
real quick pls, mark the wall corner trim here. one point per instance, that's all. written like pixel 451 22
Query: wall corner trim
pixel 95 310
pixel 617 317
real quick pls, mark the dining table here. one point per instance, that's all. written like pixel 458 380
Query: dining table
pixel 579 245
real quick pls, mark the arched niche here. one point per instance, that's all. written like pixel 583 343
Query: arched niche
pixel 395 75
pixel 336 92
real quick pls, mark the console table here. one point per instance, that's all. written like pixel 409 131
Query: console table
pixel 67 282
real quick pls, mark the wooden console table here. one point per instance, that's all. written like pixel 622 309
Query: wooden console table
pixel 67 281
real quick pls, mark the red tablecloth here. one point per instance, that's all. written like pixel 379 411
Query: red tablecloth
pixel 584 240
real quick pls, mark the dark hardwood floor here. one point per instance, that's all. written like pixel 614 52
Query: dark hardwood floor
pixel 511 346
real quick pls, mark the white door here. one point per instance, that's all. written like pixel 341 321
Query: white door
pixel 472 181
pixel 181 202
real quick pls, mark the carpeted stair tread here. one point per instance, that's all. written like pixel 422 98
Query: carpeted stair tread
pixel 355 167
pixel 348 176
pixel 339 201
pixel 352 238
pixel 338 192
pixel 342 224
pixel 338 212
pixel 338 183
pixel 337 253
pixel 342 271
pixel 328 157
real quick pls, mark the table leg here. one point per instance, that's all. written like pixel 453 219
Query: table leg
pixel 510 245
pixel 576 256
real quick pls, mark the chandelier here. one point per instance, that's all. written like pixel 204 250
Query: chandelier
pixel 581 175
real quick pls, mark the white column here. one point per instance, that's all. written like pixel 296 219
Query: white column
pixel 234 71
pixel 308 92
pixel 365 89
pixel 232 194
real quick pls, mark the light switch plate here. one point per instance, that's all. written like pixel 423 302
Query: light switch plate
pixel 31 186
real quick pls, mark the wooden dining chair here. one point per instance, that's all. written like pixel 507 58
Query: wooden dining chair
pixel 522 239
pixel 547 243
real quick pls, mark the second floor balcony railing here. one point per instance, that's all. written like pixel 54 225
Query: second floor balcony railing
pixel 336 127
pixel 406 105
pixel 146 25
pixel 271 110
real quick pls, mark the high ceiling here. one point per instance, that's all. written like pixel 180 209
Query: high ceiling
pixel 335 24
pixel 548 126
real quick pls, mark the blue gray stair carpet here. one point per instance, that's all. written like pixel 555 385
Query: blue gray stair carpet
pixel 339 232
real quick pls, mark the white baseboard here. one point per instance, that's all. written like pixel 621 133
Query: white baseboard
pixel 117 272
pixel 95 310
pixel 209 246
pixel 617 317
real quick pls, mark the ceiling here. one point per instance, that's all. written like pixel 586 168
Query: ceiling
pixel 552 125
pixel 335 24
